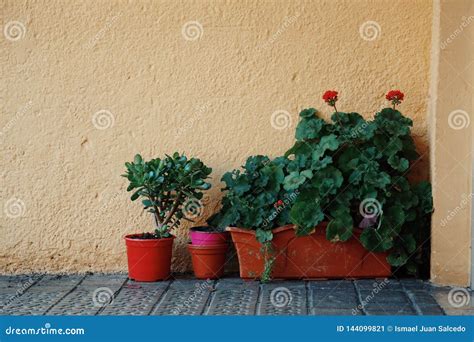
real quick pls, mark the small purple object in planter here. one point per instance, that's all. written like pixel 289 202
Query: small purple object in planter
pixel 207 236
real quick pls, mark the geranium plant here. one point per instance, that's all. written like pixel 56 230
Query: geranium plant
pixel 359 179
pixel 349 172
pixel 165 185
pixel 256 199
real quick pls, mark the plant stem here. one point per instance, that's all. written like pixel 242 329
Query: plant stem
pixel 174 208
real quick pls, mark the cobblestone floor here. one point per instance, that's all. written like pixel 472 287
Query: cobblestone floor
pixel 114 294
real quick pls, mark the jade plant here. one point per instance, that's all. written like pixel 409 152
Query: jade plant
pixel 349 172
pixel 166 186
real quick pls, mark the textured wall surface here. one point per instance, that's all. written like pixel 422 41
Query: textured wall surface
pixel 86 85
pixel 452 90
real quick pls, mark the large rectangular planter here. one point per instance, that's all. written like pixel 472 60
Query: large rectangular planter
pixel 309 256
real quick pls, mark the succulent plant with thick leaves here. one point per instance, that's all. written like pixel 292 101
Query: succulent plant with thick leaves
pixel 165 185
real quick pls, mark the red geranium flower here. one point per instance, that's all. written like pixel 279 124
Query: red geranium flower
pixel 395 96
pixel 330 96
pixel 278 203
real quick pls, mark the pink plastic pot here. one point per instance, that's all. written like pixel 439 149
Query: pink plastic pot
pixel 205 236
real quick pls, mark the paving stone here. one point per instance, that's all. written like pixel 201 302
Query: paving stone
pixel 423 298
pixel 43 295
pixel 431 310
pixel 283 298
pixel 415 284
pixel 384 297
pixel 187 297
pixel 113 294
pixel 234 297
pixel 12 287
pixel 331 284
pixel 13 284
pixel 378 284
pixel 335 312
pixel 136 298
pixel 462 304
pixel 90 296
pixel 392 312
pixel 328 298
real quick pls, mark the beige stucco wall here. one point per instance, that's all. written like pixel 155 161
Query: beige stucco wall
pixel 64 205
pixel 451 110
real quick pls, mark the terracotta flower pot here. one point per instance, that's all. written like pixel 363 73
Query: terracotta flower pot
pixel 309 256
pixel 206 236
pixel 148 259
pixel 208 261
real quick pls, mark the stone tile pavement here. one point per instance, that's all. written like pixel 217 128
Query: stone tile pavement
pixel 114 294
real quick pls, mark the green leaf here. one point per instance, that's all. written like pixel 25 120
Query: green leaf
pixel 308 128
pixel 321 163
pixel 397 258
pixel 399 164
pixel 308 113
pixel 409 242
pixel 293 180
pixel 147 203
pixel 135 195
pixel 306 216
pixel 374 241
pixel 263 235
pixel 327 181
pixel 395 214
pixel 339 229
pixel 328 142
pixel 307 173
pixel 138 159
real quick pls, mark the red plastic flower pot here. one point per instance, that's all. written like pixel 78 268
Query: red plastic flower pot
pixel 311 256
pixel 205 236
pixel 208 261
pixel 148 259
